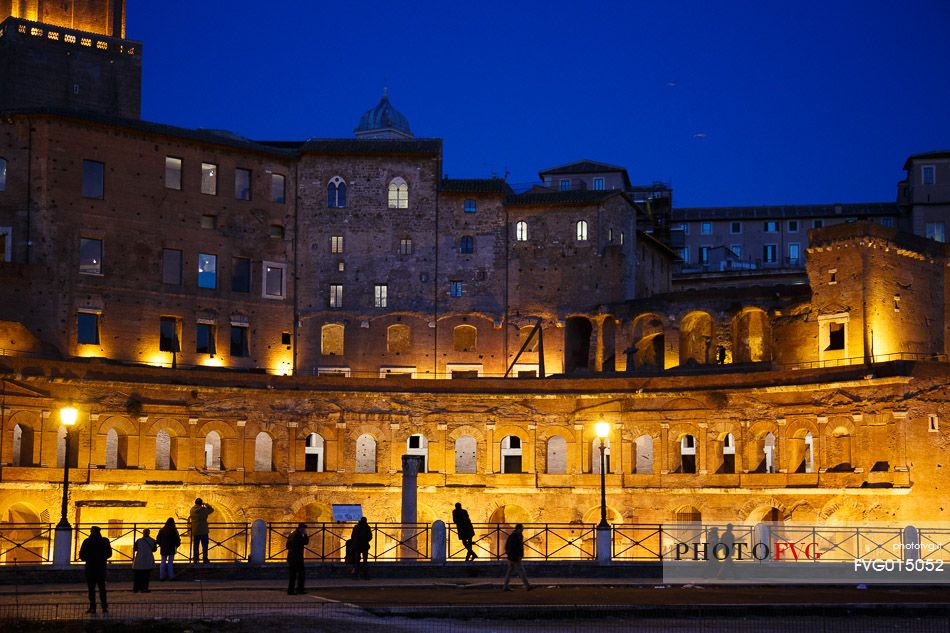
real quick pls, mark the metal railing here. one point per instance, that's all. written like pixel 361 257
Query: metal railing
pixel 25 543
pixel 542 541
pixel 227 542
pixel 860 360
pixel 391 541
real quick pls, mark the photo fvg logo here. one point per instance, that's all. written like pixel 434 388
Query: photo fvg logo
pixel 787 551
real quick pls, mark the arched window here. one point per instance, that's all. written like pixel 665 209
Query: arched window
pixel 22 445
pixel 465 338
pixel 3 174
pixel 365 454
pixel 557 456
pixel 768 449
pixel 313 453
pixel 809 460
pixel 116 449
pixel 467 245
pixel 728 454
pixel 521 231
pixel 398 194
pixel 511 454
pixel 687 514
pixel 331 339
pixel 398 339
pixel 582 231
pixel 263 452
pixel 644 458
pixel 417 445
pixel 61 447
pixel 465 454
pixel 687 454
pixel 336 193
pixel 213 451
pixel 595 456
pixel 164 459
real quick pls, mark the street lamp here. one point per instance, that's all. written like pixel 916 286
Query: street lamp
pixel 67 415
pixel 603 431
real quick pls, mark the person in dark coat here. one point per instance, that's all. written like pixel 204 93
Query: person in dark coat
pixel 360 539
pixel 169 540
pixel 94 552
pixel 296 543
pixel 514 550
pixel 465 529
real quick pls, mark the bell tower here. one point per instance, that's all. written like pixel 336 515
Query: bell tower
pixel 69 55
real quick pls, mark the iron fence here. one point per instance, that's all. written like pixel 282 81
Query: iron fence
pixel 327 541
pixel 227 542
pixel 25 543
pixel 542 541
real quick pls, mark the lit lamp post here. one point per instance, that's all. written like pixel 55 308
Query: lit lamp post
pixel 62 543
pixel 602 429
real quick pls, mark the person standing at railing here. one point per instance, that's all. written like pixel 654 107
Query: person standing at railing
pixel 94 552
pixel 143 561
pixel 360 539
pixel 296 544
pixel 169 540
pixel 198 517
pixel 514 550
pixel 465 530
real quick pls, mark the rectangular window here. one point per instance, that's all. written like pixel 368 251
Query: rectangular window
pixel 935 231
pixel 336 243
pixel 736 249
pixel 171 266
pixel 381 296
pixel 209 221
pixel 242 184
pixel 817 224
pixel 564 184
pixel 704 255
pixel 928 175
pixel 769 253
pixel 706 228
pixel 239 341
pixel 794 253
pixel 3 174
pixel 275 280
pixel 204 339
pixel 835 336
pixel 405 246
pixel 209 179
pixel 793 226
pixel 90 256
pixel 169 334
pixel 470 205
pixel 887 222
pixel 87 328
pixel 735 227
pixel 770 226
pixel 93 179
pixel 336 295
pixel 278 192
pixel 207 271
pixel 598 184
pixel 684 254
pixel 240 274
pixel 455 288
pixel 172 173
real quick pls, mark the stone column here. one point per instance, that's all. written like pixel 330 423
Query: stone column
pixel 410 475
pixel 62 547
pixel 258 543
pixel 781 447
pixel 664 456
pixel 438 542
pixel 702 454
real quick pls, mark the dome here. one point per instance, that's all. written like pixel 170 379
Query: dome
pixel 383 121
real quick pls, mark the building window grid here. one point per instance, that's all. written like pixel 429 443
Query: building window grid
pixel 336 296
pixel 90 256
pixel 93 179
pixel 467 245
pixel 705 228
pixel 381 296
pixel 209 179
pixel 928 175
pixel 87 328
pixel 275 280
pixel 398 194
pixel 455 288
pixel 470 205
pixel 207 271
pixel 598 184
pixel 336 193
pixel 278 188
pixel 581 231
pixel 336 243
pixel 172 173
pixel 405 246
pixel 735 228
pixel 240 343
pixel 521 231
pixel 242 184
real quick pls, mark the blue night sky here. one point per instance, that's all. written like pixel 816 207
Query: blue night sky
pixel 732 103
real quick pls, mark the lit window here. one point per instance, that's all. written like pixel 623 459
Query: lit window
pixel 564 184
pixel 242 184
pixel 770 226
pixel 207 271
pixel 928 175
pixel 239 341
pixel 240 274
pixel 171 267
pixel 935 231
pixel 87 328
pixel 684 254
pixel 610 236
pixel 278 191
pixel 706 228
pixel 736 249
pixel 336 295
pixel 621 238
pixel 582 231
pixel 381 295
pixel 467 245
pixel 398 194
pixel 703 255
pixel 598 184
pixel 169 334
pixel 405 246
pixel 769 253
pixel 209 221
pixel 93 179
pixel 455 288
pixel 521 231
pixel 90 256
pixel 794 253
pixel 204 339
pixel 735 227
pixel 336 193
pixel 172 173
pixel 209 179
pixel 470 205
pixel 275 280
pixel 793 226
pixel 336 243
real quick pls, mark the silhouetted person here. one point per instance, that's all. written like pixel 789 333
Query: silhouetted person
pixel 360 539
pixel 296 543
pixel 94 552
pixel 728 539
pixel 514 550
pixel 721 355
pixel 198 517
pixel 465 529
pixel 143 561
pixel 169 540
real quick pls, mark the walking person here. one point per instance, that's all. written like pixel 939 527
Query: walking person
pixel 360 539
pixel 94 552
pixel 296 543
pixel 198 518
pixel 143 561
pixel 514 550
pixel 465 530
pixel 169 540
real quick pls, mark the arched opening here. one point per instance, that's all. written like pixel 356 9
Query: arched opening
pixel 465 338
pixel 511 454
pixel 465 455
pixel 643 446
pixel 577 333
pixel 801 452
pixel 164 450
pixel 22 445
pixel 398 194
pixel 336 193
pixel 61 447
pixel 556 462
pixel 696 332
pixel 331 339
pixel 687 454
pixel 764 458
pixel 839 450
pixel 24 526
pixel 523 334
pixel 521 231
pixel 419 446
pixel 263 452
pixel 213 456
pixel 117 447
pixel 313 453
pixel 580 230
pixel 509 514
pixel 649 343
pixel 687 514
pixel 398 339
pixel 365 454
pixel 727 462
pixel 751 337
pixel 595 456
